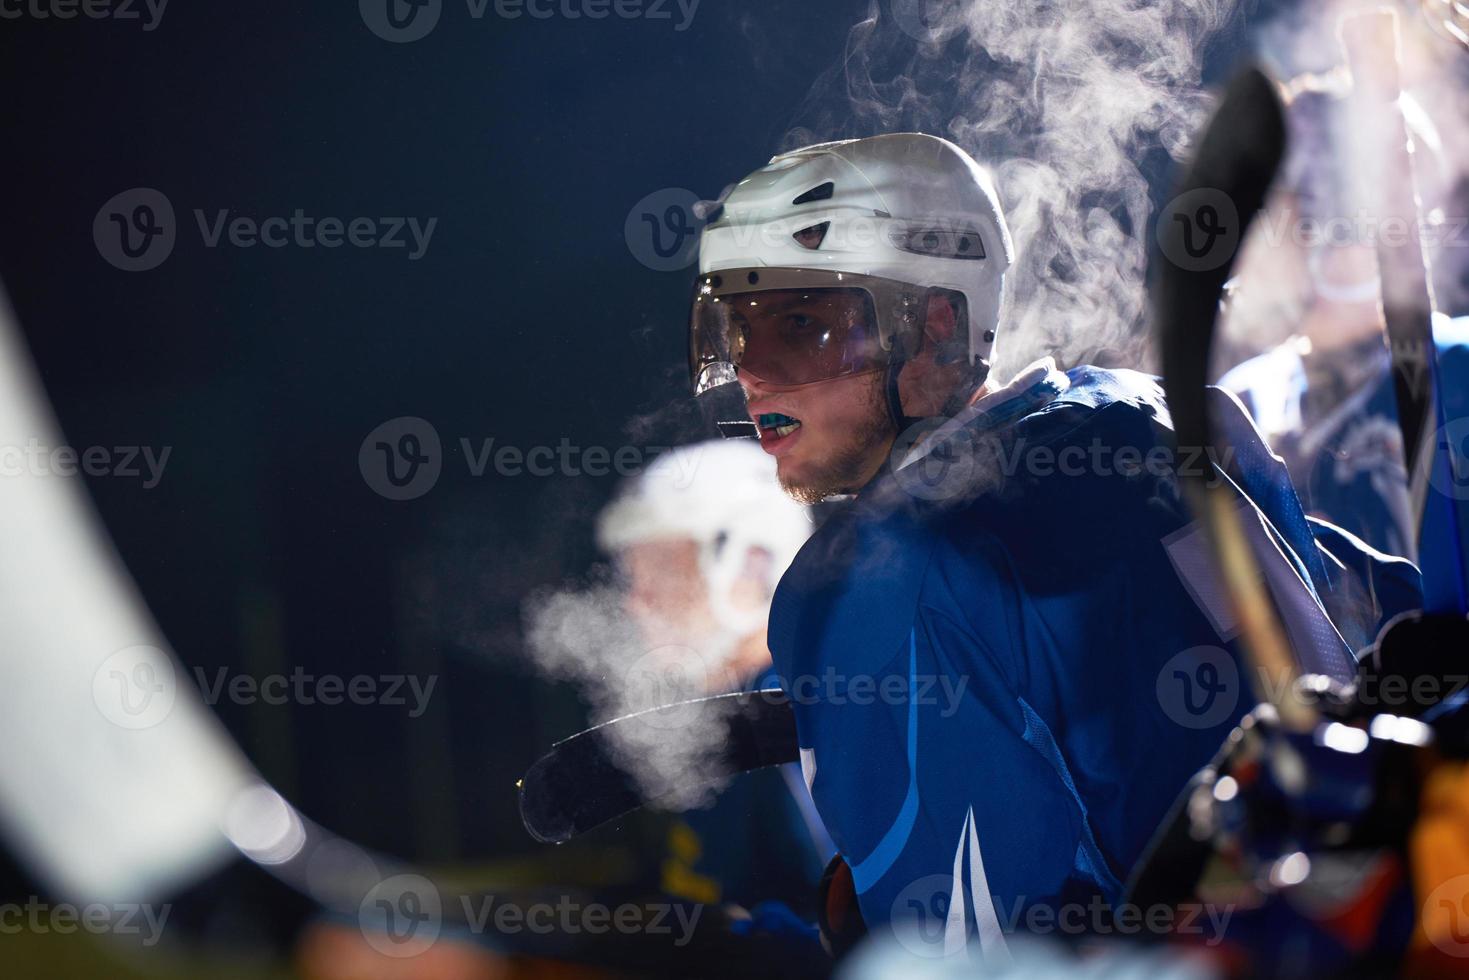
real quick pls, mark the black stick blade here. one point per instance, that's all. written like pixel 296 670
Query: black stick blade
pixel 1200 234
pixel 580 783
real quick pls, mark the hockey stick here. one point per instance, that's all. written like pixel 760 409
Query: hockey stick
pixel 580 784
pixel 1236 160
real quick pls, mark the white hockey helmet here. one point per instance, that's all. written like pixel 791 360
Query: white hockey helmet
pixel 723 495
pixel 865 228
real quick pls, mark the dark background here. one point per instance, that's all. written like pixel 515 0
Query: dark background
pixel 528 320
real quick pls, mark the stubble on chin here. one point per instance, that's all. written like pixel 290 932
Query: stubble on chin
pixel 849 466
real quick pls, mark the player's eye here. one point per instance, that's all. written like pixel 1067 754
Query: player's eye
pixel 807 329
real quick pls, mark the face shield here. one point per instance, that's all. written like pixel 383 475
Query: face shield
pixel 796 326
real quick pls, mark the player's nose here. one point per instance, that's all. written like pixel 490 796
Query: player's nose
pixel 754 387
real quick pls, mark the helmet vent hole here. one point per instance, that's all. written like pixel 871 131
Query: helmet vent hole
pixel 943 243
pixel 821 192
pixel 812 237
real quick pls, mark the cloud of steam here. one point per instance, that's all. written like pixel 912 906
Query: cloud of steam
pixel 1074 105
pixel 1303 49
pixel 587 638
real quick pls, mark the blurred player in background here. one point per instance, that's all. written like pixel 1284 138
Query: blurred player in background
pixel 698 542
pixel 1324 397
pixel 701 539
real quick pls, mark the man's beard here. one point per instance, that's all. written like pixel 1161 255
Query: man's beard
pixel 848 468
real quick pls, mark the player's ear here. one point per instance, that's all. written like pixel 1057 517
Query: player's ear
pixel 940 321
pixel 929 378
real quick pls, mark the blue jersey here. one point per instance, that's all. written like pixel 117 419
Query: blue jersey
pixel 1004 675
pixel 1333 418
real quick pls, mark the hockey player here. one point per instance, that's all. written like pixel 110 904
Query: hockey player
pixel 1007 655
pixel 1324 397
pixel 700 540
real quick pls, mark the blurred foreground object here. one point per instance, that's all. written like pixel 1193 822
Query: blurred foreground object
pixel 1334 823
pixel 117 783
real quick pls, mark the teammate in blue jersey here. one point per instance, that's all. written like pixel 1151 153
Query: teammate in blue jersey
pixel 1008 653
pixel 1324 396
pixel 1328 409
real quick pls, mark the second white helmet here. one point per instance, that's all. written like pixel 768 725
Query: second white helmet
pixel 724 496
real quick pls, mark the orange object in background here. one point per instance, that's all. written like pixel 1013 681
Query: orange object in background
pixel 1439 855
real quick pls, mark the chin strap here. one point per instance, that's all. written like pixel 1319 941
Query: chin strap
pixel 963 391
pixel 900 421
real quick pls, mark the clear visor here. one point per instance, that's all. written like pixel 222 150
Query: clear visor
pixel 783 337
